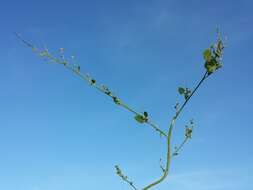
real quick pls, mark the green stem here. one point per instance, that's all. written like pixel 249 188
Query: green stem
pixel 84 77
pixel 172 123
pixel 122 104
pixel 166 171
pixel 198 85
pixel 180 147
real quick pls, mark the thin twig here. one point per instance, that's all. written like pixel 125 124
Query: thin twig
pixel 180 147
pixel 70 67
pixel 124 177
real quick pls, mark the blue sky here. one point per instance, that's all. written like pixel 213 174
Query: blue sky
pixel 57 133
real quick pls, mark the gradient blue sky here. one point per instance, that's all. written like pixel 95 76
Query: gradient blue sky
pixel 57 133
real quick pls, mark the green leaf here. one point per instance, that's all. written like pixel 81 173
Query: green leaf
pixel 145 114
pixel 187 93
pixel 93 81
pixel 207 55
pixel 219 65
pixel 116 100
pixel 188 132
pixel 181 90
pixel 139 118
pixel 106 90
pixel 212 66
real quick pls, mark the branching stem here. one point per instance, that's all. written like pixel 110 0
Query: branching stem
pixel 171 125
pixel 212 57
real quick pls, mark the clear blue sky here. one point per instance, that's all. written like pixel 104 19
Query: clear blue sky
pixel 57 133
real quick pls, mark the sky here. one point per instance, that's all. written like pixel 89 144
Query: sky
pixel 59 133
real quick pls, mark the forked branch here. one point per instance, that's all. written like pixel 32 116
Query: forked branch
pixel 212 57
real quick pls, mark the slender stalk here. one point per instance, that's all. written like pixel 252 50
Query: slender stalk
pixel 198 85
pixel 172 123
pixel 131 184
pixel 166 170
pixel 180 147
pixel 122 104
pixel 65 63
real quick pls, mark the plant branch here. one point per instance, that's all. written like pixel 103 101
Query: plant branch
pixel 175 153
pixel 195 89
pixel 92 82
pixel 188 135
pixel 124 177
pixel 212 58
pixel 172 123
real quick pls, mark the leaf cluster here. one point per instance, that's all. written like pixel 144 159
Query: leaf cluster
pixel 186 92
pixel 212 57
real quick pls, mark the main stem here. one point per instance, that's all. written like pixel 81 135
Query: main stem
pixel 172 123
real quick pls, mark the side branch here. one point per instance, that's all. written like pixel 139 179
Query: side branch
pixel 103 89
pixel 187 136
pixel 124 177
